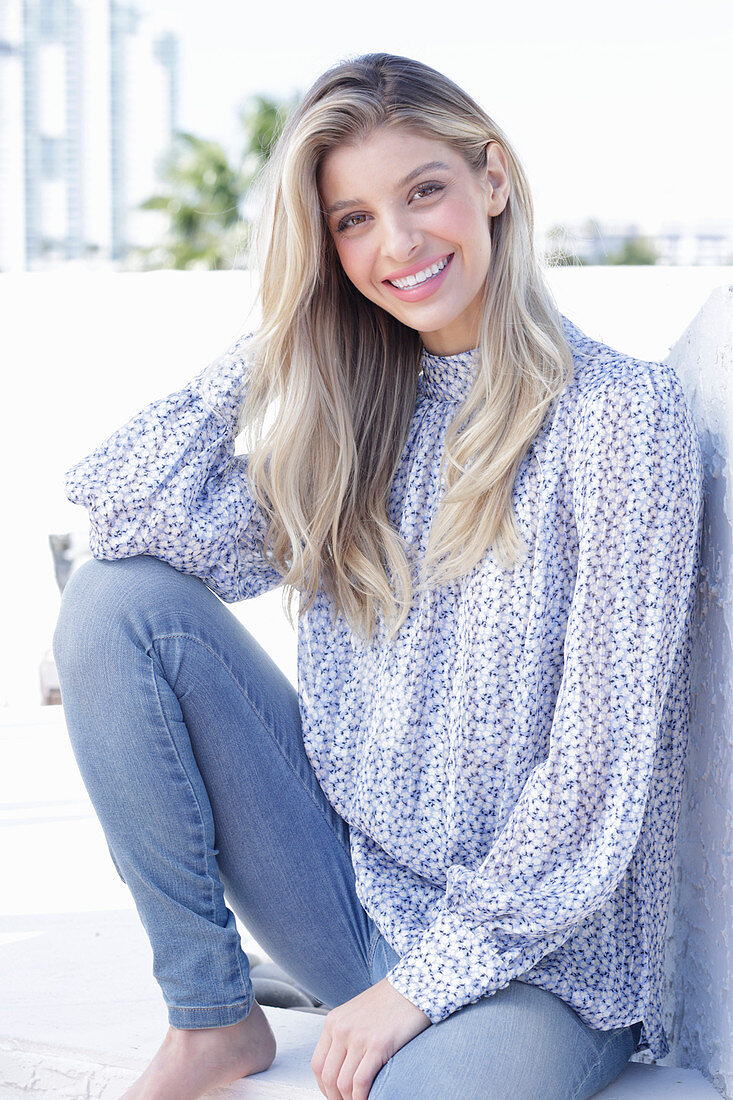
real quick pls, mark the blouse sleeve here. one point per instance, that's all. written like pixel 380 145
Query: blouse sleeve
pixel 168 484
pixel 637 496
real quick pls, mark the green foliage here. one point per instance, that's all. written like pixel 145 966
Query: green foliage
pixel 262 120
pixel 635 250
pixel 203 194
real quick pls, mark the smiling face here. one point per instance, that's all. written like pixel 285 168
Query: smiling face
pixel 410 221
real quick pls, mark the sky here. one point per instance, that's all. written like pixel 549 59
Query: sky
pixel 618 111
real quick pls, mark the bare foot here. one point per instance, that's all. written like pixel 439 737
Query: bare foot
pixel 189 1063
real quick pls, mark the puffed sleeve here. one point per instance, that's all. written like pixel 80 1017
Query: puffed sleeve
pixel 169 484
pixel 637 497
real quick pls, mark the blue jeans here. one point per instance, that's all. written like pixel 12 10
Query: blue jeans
pixel 189 742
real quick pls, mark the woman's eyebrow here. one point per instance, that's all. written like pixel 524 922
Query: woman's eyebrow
pixel 429 167
pixel 344 204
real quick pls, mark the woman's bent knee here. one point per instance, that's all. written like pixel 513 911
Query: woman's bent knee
pixel 80 602
pixel 102 595
pixel 83 601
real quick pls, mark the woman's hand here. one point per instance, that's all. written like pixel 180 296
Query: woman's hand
pixel 360 1036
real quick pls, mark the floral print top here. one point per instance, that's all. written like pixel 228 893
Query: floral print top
pixel 511 763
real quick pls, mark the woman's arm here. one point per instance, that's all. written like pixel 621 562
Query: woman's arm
pixel 168 484
pixel 568 841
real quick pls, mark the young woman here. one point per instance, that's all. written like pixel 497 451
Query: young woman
pixel 458 834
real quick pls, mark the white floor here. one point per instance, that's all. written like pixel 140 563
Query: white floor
pixel 80 1013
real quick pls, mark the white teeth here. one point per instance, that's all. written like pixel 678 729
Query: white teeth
pixel 420 276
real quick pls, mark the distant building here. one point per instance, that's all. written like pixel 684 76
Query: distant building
pixel 88 106
pixel 12 158
pixel 706 245
pixel 596 242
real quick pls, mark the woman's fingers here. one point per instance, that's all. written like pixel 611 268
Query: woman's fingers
pixel 353 1057
pixel 360 1036
pixel 326 1064
pixel 331 1073
pixel 348 1073
pixel 363 1077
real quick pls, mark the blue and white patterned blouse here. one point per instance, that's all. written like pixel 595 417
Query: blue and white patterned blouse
pixel 511 764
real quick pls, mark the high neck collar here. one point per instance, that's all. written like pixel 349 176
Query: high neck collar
pixel 449 377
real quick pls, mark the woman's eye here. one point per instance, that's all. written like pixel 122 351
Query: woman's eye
pixel 350 221
pixel 426 189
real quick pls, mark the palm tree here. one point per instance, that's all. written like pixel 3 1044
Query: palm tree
pixel 201 203
pixel 205 195
pixel 262 119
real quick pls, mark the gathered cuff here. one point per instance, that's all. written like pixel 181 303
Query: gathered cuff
pixel 450 965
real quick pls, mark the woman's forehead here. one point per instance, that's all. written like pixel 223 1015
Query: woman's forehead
pixel 387 139
pixel 389 155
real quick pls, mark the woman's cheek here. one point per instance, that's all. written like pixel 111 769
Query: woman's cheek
pixel 356 264
pixel 345 255
pixel 457 221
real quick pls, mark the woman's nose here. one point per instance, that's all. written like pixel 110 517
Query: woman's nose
pixel 400 238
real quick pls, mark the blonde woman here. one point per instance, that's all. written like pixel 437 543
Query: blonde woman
pixel 458 834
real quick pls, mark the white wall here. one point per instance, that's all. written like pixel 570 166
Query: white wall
pixel 84 351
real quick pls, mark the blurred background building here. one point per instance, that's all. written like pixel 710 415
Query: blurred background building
pixel 605 242
pixel 94 168
pixel 88 105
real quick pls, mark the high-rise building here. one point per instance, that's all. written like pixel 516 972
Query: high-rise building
pixel 88 106
pixel 12 155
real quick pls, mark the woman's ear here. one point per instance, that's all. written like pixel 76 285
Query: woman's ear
pixel 497 178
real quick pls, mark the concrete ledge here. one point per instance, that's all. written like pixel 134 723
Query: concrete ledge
pixel 639 1082
pixel 81 1017
pixel 26 1069
pixel 30 1069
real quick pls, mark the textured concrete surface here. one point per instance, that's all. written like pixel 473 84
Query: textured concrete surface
pixel 700 948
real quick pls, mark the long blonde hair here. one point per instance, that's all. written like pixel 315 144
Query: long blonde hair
pixel 342 373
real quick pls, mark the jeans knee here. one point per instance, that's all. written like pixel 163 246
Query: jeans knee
pixel 106 604
pixel 78 604
pixel 98 594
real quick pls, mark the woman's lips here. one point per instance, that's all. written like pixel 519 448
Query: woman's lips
pixel 420 290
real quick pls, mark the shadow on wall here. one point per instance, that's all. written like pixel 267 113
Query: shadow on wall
pixel 699 999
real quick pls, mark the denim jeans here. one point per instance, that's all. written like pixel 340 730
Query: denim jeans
pixel 189 741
